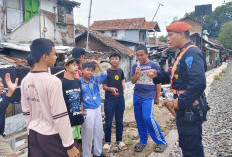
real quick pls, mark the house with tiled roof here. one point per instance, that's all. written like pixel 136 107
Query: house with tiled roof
pixel 135 30
pixel 102 46
pixel 196 25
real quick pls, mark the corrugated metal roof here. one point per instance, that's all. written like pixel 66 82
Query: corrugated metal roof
pixel 26 47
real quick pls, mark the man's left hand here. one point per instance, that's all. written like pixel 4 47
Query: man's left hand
pixel 157 101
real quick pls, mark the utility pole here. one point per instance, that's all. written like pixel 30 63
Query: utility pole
pixel 153 20
pixel 87 41
pixel 156 11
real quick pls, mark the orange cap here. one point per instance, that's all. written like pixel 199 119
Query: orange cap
pixel 178 27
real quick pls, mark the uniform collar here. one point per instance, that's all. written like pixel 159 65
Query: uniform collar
pixel 186 45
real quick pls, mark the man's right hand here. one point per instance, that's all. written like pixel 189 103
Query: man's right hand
pixel 114 91
pixel 73 152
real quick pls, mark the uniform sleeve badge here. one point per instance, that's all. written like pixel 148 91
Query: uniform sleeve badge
pixel 189 61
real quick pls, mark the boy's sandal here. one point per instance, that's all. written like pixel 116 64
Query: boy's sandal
pixel 106 147
pixel 160 148
pixel 139 147
pixel 122 146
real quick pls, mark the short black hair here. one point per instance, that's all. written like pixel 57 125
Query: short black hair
pixel 115 55
pixel 30 61
pixel 187 34
pixel 88 65
pixel 77 52
pixel 39 47
pixel 142 47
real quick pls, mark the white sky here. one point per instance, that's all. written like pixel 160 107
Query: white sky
pixel 121 9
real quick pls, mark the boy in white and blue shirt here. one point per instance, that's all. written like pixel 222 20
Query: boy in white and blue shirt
pixel 92 129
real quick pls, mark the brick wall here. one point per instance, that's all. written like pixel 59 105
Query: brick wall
pixel 70 28
pixel 196 27
pixel 93 44
pixel 66 31
pixel 50 16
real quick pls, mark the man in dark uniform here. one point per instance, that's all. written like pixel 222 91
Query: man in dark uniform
pixel 188 82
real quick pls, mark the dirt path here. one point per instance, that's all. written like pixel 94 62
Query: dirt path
pixel 130 134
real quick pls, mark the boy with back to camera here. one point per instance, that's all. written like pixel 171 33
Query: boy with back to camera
pixel 43 106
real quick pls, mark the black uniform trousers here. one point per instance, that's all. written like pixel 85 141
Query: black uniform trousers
pixel 191 145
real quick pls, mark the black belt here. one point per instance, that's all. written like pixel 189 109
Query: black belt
pixel 175 96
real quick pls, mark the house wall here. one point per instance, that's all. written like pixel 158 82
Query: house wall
pixel 125 66
pixel 125 62
pixel 61 34
pixel 131 35
pixel 1 21
pixel 93 44
pixel 31 30
pixel 120 34
pixel 128 35
pixel 48 5
pixel 196 27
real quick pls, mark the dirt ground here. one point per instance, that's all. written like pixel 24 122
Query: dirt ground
pixel 130 133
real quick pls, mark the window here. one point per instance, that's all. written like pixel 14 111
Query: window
pixel 113 33
pixel 61 14
pixel 13 4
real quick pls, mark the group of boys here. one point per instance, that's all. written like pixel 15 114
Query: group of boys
pixel 59 112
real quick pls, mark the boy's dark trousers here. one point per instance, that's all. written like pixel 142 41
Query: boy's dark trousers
pixel 45 145
pixel 114 106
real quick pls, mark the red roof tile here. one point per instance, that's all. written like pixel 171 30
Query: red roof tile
pixel 109 42
pixel 134 23
pixel 149 25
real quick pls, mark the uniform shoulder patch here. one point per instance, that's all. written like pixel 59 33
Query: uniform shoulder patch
pixel 189 61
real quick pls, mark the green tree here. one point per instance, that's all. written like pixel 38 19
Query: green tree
pixel 220 15
pixel 175 19
pixel 213 22
pixel 225 35
pixel 79 26
pixel 163 38
pixel 192 15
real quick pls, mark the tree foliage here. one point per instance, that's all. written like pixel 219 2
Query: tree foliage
pixel 79 26
pixel 220 15
pixel 225 35
pixel 213 22
pixel 163 38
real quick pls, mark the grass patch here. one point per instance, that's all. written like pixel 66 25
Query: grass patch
pixel 171 119
pixel 217 77
pixel 129 142
pixel 221 74
pixel 224 71
pixel 129 107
